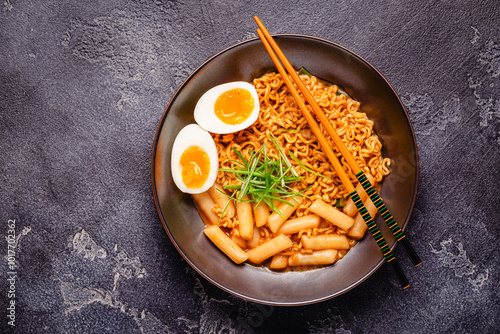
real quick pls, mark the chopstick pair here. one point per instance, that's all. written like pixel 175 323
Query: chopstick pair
pixel 273 49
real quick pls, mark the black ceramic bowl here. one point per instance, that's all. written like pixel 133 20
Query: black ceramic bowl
pixel 328 61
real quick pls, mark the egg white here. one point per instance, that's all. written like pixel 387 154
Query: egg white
pixel 204 113
pixel 194 135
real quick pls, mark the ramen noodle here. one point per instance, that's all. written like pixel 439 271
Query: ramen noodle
pixel 315 241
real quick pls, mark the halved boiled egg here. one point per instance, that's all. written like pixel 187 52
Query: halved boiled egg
pixel 194 160
pixel 228 108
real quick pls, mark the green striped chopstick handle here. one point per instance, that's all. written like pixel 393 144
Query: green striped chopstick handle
pixel 379 238
pixel 389 219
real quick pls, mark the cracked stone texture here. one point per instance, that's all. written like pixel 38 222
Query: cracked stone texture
pixel 83 86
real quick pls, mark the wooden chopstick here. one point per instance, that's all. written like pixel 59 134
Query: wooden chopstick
pixel 374 196
pixel 372 227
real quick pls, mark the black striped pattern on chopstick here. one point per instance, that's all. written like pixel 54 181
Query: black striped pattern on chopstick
pixel 379 204
pixel 372 227
pixel 379 239
pixel 388 218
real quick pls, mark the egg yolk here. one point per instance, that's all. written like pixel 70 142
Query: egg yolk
pixel 195 165
pixel 234 106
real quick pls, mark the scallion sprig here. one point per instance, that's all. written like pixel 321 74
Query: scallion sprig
pixel 306 168
pixel 263 179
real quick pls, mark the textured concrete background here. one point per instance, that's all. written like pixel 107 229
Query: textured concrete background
pixel 83 85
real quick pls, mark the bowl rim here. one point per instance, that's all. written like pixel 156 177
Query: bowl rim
pixel 162 121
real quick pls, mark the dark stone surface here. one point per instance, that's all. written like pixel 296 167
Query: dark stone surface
pixel 83 85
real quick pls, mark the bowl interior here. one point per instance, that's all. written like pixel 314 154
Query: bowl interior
pixel 331 62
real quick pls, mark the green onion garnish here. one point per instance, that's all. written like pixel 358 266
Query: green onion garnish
pixel 302 70
pixel 341 92
pixel 306 168
pixel 340 203
pixel 262 178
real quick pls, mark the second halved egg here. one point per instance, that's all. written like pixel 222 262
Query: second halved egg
pixel 228 108
pixel 194 161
